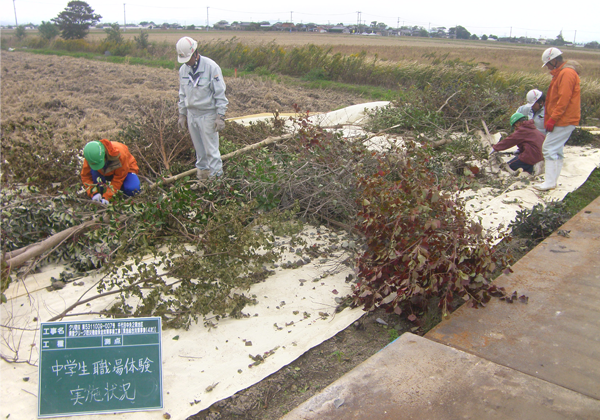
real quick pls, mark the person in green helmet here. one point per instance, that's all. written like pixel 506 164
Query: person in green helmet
pixel 528 140
pixel 107 168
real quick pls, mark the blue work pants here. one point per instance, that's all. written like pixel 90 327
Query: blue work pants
pixel 130 187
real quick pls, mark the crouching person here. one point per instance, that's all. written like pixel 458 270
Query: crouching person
pixel 107 168
pixel 528 140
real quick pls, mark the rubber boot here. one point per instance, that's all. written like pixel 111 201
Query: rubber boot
pixel 538 168
pixel 559 165
pixel 551 175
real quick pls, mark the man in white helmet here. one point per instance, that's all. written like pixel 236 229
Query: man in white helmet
pixel 534 109
pixel 202 105
pixel 563 112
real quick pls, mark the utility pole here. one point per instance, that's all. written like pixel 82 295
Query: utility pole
pixel 124 18
pixel 207 19
pixel 510 36
pixel 575 37
pixel 398 23
pixel 291 21
pixel 15 6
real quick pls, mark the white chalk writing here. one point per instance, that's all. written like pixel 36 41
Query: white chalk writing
pixel 92 393
pixel 103 367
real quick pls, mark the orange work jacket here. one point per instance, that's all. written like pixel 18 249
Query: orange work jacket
pixel 563 100
pixel 119 163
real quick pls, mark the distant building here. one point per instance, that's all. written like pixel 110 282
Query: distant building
pixel 287 26
pixel 339 29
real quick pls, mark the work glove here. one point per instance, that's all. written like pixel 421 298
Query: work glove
pixel 549 126
pixel 182 122
pixel 220 123
pixel 98 197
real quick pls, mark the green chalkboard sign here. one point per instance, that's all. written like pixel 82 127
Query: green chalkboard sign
pixel 100 366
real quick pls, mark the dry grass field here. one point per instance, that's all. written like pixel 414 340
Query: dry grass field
pixel 505 57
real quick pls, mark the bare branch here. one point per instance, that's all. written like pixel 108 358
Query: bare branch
pixel 228 156
pixel 446 103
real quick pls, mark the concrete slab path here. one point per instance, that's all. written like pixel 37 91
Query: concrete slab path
pixel 539 360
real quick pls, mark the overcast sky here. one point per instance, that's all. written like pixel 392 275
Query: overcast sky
pixel 578 20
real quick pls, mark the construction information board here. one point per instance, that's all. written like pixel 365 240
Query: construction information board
pixel 89 367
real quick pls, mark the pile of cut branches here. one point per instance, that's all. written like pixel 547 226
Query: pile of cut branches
pixel 307 174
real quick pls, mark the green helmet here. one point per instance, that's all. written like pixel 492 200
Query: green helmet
pixel 94 153
pixel 516 117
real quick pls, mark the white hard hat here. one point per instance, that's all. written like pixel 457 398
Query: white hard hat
pixel 550 54
pixel 185 49
pixel 533 96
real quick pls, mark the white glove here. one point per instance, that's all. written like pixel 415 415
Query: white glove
pixel 98 197
pixel 182 122
pixel 220 123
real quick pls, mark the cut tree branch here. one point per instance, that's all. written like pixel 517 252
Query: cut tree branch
pixel 503 164
pixel 254 146
pixel 446 103
pixel 20 256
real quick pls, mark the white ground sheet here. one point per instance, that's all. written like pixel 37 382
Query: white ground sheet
pixel 496 208
pixel 296 309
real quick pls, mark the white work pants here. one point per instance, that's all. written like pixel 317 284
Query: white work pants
pixel 555 142
pixel 206 142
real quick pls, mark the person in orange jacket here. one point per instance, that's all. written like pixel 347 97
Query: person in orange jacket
pixel 107 168
pixel 563 112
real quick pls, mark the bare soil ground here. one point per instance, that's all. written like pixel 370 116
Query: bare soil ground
pixel 309 374
pixel 69 98
pixel 89 100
